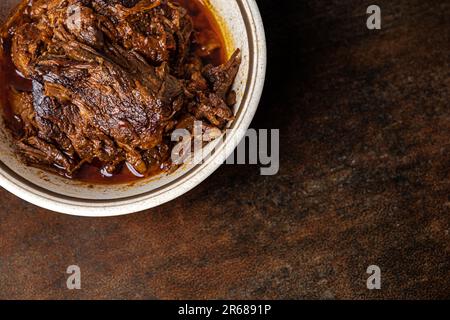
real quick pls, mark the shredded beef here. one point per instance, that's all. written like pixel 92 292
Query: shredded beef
pixel 110 80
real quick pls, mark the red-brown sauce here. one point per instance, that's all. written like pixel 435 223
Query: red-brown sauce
pixel 207 32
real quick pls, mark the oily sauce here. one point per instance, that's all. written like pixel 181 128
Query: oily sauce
pixel 209 44
pixel 210 41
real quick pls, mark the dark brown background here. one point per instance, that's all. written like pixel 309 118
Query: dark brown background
pixel 365 179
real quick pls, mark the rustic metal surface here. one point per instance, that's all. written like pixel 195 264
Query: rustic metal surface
pixel 365 179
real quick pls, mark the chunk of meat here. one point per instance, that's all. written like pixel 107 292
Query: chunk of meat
pixel 222 77
pixel 83 23
pixel 21 104
pixel 27 44
pixel 212 108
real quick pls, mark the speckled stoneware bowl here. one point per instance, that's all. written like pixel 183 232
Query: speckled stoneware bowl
pixel 241 23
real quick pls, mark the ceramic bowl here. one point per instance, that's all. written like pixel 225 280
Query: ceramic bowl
pixel 241 22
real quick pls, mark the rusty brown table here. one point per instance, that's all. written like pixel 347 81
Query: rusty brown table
pixel 364 179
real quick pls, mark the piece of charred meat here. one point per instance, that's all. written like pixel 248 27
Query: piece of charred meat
pixel 110 79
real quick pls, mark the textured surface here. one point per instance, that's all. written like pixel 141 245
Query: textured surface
pixel 364 179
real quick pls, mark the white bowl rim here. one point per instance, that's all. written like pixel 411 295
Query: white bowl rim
pixel 41 197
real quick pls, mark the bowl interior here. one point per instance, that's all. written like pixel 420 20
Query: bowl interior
pixel 228 14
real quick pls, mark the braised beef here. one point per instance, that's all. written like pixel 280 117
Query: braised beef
pixel 110 80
